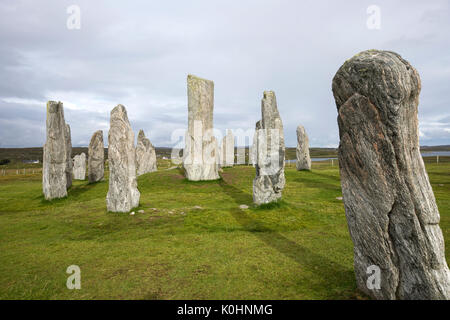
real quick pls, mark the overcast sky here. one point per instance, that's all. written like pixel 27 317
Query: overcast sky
pixel 139 53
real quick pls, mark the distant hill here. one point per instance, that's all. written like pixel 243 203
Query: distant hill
pixel 19 155
pixel 434 148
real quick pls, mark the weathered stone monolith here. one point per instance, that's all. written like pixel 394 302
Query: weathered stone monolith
pixel 227 150
pixel 199 157
pixel 123 194
pixel 302 151
pixel 79 166
pixel 253 157
pixel 54 165
pixel 391 211
pixel 145 155
pixel 96 157
pixel 270 151
pixel 218 154
pixel 69 163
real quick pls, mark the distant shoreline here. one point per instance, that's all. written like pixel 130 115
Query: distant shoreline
pixel 35 153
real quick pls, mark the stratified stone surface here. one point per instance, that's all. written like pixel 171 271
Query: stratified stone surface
pixel 69 163
pixel 227 150
pixel 79 166
pixel 200 152
pixel 54 166
pixel 390 207
pixel 270 151
pixel 145 155
pixel 123 194
pixel 96 157
pixel 302 151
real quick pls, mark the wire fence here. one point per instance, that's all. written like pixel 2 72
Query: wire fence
pixel 166 164
pixel 21 171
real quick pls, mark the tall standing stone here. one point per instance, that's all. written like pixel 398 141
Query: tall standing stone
pixel 391 211
pixel 302 151
pixel 227 152
pixel 123 194
pixel 145 155
pixel 54 178
pixel 218 153
pixel 79 166
pixel 200 152
pixel 270 151
pixel 69 163
pixel 253 151
pixel 96 157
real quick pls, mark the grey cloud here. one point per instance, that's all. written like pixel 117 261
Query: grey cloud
pixel 139 55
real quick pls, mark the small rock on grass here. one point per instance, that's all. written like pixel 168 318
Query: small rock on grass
pixel 141 211
pixel 339 198
pixel 243 207
pixel 132 213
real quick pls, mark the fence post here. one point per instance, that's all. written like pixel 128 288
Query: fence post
pixel 437 159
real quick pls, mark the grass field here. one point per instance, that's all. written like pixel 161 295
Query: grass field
pixel 192 241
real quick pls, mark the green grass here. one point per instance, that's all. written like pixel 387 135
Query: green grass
pixel 298 248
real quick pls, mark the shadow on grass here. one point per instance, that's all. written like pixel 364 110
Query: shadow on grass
pixel 329 273
pixel 201 182
pixel 181 171
pixel 323 182
pixel 77 191
pixel 73 192
pixel 280 204
pixel 327 176
pixel 239 196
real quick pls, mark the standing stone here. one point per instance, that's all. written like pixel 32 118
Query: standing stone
pixel 54 166
pixel 96 157
pixel 253 151
pixel 123 194
pixel 79 166
pixel 270 151
pixel 390 207
pixel 145 155
pixel 200 154
pixel 69 163
pixel 302 151
pixel 227 150
pixel 218 153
